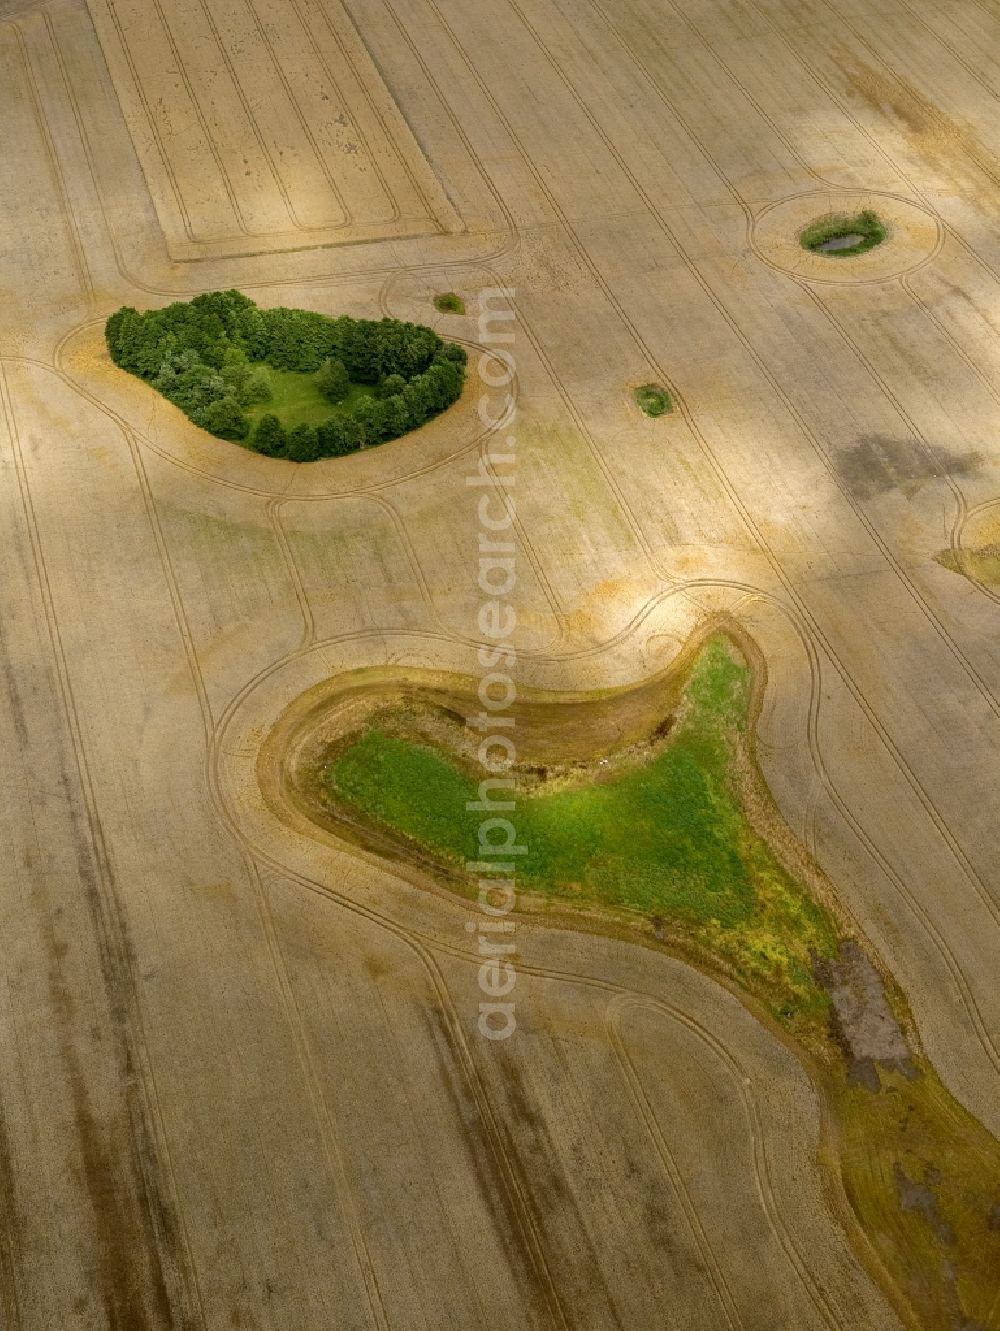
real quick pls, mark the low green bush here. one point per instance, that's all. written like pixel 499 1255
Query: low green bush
pixel 653 399
pixel 449 302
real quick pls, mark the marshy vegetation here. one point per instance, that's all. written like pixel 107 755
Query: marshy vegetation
pixel 841 236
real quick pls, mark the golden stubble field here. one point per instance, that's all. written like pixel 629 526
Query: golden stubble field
pixel 242 1082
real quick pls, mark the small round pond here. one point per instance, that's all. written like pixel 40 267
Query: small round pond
pixel 838 243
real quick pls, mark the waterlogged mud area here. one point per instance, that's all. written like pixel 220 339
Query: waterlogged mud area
pixel 839 243
pixel 862 1020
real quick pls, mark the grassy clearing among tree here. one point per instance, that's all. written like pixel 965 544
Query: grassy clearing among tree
pixel 866 226
pixel 289 383
pixel 296 399
pixel 667 839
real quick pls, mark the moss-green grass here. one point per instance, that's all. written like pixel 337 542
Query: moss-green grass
pixel 296 400
pixel 865 224
pixel 653 399
pixel 449 302
pixel 979 564
pixel 666 839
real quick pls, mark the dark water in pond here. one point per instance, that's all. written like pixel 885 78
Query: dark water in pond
pixel 839 243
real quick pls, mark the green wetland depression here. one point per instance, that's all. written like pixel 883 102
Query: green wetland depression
pixel 644 816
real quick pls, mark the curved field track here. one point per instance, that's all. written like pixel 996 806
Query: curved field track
pixel 242 1080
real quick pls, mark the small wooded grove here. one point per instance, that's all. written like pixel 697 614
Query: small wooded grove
pixel 208 356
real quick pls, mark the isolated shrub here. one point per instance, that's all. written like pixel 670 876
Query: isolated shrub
pixel 449 302
pixel 653 399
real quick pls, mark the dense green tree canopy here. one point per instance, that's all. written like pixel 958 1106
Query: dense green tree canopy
pixel 333 380
pixel 208 356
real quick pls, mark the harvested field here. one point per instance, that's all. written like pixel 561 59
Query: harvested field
pixel 245 1082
